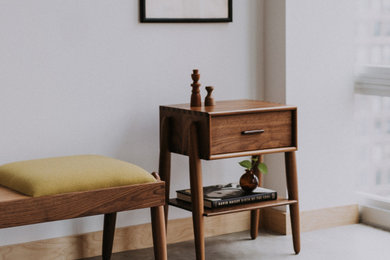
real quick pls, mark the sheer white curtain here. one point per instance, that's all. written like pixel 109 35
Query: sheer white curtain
pixel 372 86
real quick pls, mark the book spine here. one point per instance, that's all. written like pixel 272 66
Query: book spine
pixel 183 197
pixel 235 201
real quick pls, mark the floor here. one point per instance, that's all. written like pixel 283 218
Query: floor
pixel 347 242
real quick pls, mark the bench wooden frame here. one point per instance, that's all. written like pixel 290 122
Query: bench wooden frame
pixel 17 209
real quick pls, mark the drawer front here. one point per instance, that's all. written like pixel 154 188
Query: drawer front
pixel 249 132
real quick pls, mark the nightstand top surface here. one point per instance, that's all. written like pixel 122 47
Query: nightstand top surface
pixel 232 107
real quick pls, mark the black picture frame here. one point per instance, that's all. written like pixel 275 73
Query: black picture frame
pixel 146 19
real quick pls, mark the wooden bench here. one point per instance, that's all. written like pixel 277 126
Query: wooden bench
pixel 17 209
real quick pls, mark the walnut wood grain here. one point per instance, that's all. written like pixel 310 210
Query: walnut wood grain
pixel 255 214
pixel 179 128
pixel 292 188
pixel 196 193
pixel 235 208
pixel 227 137
pixel 248 153
pixel 19 210
pixel 229 107
pixel 222 132
pixel 159 233
pixel 195 93
pixel 209 99
pixel 164 167
pixel 221 125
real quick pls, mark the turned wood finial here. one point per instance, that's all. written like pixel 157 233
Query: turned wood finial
pixel 195 96
pixel 156 176
pixel 209 100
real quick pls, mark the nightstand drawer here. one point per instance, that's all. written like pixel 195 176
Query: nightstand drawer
pixel 252 131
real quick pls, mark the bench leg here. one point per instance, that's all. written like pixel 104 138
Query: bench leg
pixel 159 234
pixel 108 235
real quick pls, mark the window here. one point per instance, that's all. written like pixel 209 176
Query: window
pixel 372 86
pixel 373 130
pixel 373 47
pixel 373 32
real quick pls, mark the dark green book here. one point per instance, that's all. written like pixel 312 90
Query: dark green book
pixel 226 195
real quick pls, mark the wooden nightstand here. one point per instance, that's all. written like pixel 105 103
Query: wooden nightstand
pixel 229 129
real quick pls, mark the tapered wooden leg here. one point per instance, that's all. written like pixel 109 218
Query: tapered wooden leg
pixel 196 193
pixel 255 214
pixel 255 218
pixel 292 186
pixel 165 162
pixel 108 235
pixel 159 233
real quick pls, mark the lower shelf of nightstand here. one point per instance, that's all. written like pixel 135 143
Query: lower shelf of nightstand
pixel 235 208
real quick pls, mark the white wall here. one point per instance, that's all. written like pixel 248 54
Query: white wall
pixel 81 77
pixel 318 65
pixel 275 81
pixel 86 77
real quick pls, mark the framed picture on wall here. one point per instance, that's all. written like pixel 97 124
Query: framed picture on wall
pixel 182 11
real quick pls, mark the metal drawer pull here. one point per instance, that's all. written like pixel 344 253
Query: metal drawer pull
pixel 251 132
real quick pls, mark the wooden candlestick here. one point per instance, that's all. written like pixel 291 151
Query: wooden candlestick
pixel 209 100
pixel 195 96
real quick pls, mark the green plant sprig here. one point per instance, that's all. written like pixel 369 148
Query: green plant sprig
pixel 250 164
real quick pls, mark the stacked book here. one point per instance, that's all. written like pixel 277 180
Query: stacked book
pixel 227 195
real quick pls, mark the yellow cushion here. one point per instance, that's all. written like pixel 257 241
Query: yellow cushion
pixel 71 173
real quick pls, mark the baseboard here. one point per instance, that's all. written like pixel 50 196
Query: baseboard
pixel 139 236
pixel 127 238
pixel 375 216
pixel 279 221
